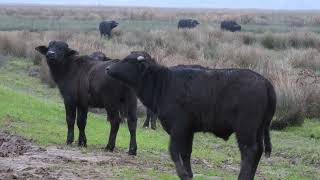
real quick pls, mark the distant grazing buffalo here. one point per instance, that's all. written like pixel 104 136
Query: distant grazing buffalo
pixel 82 83
pixel 106 27
pixel 190 99
pixel 230 26
pixel 188 23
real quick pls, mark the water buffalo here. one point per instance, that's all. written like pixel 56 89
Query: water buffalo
pixel 99 56
pixel 230 26
pixel 105 28
pixel 82 83
pixel 188 23
pixel 189 99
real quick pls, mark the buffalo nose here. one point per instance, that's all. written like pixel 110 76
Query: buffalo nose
pixel 107 68
pixel 50 53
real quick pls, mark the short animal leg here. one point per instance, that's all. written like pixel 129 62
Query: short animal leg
pixel 251 150
pixel 186 155
pixel 70 118
pixel 175 154
pixel 153 121
pixel 132 125
pixel 146 122
pixel 81 123
pixel 114 121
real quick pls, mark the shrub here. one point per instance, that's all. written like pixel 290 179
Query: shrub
pixel 307 58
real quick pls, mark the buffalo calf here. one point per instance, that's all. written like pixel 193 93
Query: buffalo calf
pixel 190 99
pixel 82 83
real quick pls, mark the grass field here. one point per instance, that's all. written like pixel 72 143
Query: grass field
pixel 33 110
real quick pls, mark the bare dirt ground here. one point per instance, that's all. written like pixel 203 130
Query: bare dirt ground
pixel 20 159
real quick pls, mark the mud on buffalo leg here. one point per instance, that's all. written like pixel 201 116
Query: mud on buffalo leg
pixel 179 140
pixel 132 125
pixel 70 118
pixel 251 149
pixel 186 154
pixel 114 118
pixel 81 123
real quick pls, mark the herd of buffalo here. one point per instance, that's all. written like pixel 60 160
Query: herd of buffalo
pixel 105 27
pixel 186 98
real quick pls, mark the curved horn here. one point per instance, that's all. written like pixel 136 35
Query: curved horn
pixel 140 58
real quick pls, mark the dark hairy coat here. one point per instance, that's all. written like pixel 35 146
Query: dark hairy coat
pixel 190 99
pixel 82 83
pixel 230 26
pixel 105 28
pixel 187 23
pixel 99 56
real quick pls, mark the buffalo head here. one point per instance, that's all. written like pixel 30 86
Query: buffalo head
pixel 56 51
pixel 114 24
pixel 132 68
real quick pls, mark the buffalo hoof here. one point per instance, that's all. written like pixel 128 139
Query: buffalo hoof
pixel 82 143
pixel 132 152
pixel 145 126
pixel 153 127
pixel 69 142
pixel 109 148
pixel 70 139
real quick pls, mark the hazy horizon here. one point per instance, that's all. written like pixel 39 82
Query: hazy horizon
pixel 229 4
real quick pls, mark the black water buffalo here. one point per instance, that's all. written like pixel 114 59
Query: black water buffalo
pixel 230 26
pixel 188 23
pixel 150 119
pixel 82 83
pixel 99 56
pixel 105 28
pixel 189 99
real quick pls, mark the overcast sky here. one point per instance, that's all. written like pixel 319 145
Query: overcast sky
pixel 258 4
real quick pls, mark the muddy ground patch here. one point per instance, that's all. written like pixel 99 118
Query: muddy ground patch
pixel 21 159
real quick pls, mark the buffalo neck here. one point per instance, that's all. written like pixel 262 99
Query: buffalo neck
pixel 59 71
pixel 152 86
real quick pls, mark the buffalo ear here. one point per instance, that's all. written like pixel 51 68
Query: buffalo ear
pixel 42 49
pixel 71 52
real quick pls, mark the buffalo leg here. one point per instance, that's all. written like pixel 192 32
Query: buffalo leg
pixel 132 125
pixel 251 149
pixel 115 122
pixel 186 155
pixel 146 122
pixel 81 123
pixel 153 121
pixel 178 142
pixel 70 118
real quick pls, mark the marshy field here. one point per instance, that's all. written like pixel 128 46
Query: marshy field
pixel 284 46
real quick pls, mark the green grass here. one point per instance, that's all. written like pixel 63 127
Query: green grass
pixel 33 23
pixel 10 23
pixel 33 110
